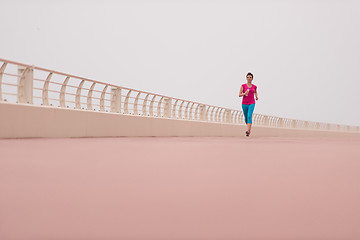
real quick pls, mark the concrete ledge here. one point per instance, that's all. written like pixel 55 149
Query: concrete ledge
pixel 30 121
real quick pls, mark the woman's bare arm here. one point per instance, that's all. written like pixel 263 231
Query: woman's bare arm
pixel 241 92
pixel 256 95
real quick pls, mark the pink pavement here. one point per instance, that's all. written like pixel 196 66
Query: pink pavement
pixel 184 188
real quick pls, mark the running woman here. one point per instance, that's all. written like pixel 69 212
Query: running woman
pixel 247 92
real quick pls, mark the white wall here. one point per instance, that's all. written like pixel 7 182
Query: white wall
pixel 29 121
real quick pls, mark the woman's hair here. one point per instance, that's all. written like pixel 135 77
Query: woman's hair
pixel 250 74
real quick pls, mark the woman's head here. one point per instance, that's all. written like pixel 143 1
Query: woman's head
pixel 249 77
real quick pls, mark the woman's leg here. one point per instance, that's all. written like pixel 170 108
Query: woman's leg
pixel 245 111
pixel 249 115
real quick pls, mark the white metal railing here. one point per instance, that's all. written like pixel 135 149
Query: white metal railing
pixel 22 83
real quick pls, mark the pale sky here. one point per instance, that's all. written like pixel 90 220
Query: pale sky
pixel 305 55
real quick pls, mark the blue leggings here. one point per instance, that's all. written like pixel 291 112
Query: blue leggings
pixel 248 112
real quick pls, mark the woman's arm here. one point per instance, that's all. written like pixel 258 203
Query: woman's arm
pixel 241 92
pixel 256 96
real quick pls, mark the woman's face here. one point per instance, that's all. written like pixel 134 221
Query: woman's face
pixel 249 78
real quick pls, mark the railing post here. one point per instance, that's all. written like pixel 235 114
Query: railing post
pixel 167 107
pixel 227 116
pixel 102 99
pixel 174 109
pixel 63 92
pixel 255 119
pixel 25 84
pixel 232 116
pixel 78 95
pixel 89 97
pixel 238 117
pixel 203 113
pixel 144 112
pixel 280 122
pixel 216 115
pixel 265 120
pixel 212 117
pixel 159 107
pixel 151 108
pixel 196 115
pixel 2 70
pixel 136 103
pixel 45 91
pixel 241 117
pixel 180 115
pixel 115 100
pixel 190 112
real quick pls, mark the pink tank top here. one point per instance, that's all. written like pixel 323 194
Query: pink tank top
pixel 249 99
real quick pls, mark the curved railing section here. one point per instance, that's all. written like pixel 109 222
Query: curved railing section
pixel 21 83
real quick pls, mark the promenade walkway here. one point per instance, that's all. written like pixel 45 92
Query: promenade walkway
pixel 184 188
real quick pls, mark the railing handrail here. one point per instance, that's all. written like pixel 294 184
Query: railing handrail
pixel 91 80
